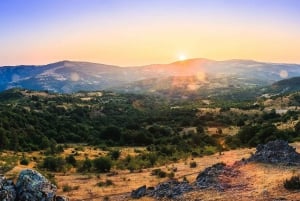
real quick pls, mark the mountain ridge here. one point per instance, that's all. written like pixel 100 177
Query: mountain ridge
pixel 71 76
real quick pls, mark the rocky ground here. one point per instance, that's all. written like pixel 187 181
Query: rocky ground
pixel 235 175
pixel 222 182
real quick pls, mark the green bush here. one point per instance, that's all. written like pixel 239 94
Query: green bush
pixel 55 164
pixel 102 164
pixel 24 161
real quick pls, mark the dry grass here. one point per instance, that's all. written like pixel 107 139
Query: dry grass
pixel 256 181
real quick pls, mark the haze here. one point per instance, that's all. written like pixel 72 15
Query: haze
pixel 138 32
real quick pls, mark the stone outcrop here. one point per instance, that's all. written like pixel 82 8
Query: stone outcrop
pixel 170 189
pixel 30 186
pixel 276 152
pixel 211 177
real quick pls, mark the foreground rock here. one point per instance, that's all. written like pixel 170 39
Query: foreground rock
pixel 33 186
pixel 276 152
pixel 138 193
pixel 7 190
pixel 211 177
pixel 30 186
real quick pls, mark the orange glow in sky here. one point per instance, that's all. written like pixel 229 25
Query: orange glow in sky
pixel 128 33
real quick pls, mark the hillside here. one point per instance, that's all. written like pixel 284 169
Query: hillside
pixel 69 76
pixel 286 85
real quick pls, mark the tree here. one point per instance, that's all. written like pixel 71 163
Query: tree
pixel 111 133
pixel 3 139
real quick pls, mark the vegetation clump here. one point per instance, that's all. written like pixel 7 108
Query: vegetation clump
pixel 293 183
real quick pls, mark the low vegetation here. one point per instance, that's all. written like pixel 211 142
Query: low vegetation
pixel 293 183
pixel 67 134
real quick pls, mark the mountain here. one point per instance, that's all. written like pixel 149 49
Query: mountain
pixel 190 76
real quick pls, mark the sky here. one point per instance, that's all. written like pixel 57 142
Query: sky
pixel 137 32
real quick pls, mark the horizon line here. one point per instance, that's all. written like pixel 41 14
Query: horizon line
pixel 141 65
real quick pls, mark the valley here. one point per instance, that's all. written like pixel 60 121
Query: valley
pixel 102 145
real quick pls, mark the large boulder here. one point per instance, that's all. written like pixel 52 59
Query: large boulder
pixel 32 186
pixel 7 190
pixel 276 152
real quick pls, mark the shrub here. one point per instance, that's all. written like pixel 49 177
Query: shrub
pixel 193 164
pixel 115 154
pixel 108 182
pixel 54 163
pixel 71 160
pixel 102 164
pixel 171 175
pixel 68 188
pixel 159 173
pixel 24 161
pixel 86 166
pixel 293 183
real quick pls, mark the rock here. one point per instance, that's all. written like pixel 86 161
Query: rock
pixel 276 152
pixel 138 193
pixel 211 177
pixel 170 189
pixel 7 190
pixel 32 186
pixel 61 198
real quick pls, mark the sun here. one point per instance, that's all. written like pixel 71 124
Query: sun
pixel 182 57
